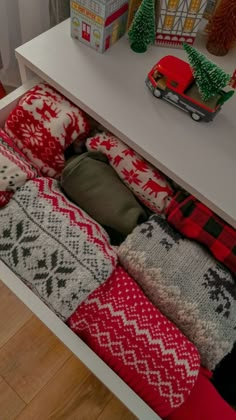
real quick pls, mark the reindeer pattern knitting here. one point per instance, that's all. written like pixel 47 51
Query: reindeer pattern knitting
pixel 148 184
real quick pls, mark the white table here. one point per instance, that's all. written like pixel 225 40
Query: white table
pixel 201 157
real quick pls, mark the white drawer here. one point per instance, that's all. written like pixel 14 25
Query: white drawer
pixel 115 384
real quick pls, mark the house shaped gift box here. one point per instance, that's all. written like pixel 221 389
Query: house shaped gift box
pixel 98 23
pixel 178 21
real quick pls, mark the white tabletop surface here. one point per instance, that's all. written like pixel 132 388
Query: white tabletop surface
pixel 111 87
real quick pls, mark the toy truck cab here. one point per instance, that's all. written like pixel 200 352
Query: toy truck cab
pixel 172 79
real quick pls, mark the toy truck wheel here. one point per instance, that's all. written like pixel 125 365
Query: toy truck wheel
pixel 195 116
pixel 157 93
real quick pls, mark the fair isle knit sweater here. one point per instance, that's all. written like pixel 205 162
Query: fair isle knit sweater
pixel 186 283
pixel 53 246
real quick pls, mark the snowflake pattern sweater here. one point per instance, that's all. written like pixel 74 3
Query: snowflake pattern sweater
pixel 53 246
pixel 43 125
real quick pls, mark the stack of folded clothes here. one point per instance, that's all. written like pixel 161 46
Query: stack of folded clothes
pixel 160 310
pixel 196 221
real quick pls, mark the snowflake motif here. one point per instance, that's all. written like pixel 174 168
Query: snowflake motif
pixel 109 143
pixel 32 133
pixel 131 177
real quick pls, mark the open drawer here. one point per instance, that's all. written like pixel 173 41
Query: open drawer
pixel 54 323
pixel 116 385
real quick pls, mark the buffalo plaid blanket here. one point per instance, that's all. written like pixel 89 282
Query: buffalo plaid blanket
pixel 196 221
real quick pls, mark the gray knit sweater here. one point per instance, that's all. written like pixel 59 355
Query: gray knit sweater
pixel 185 282
pixel 54 247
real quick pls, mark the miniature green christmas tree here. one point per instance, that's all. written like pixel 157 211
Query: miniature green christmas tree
pixel 209 77
pixel 143 28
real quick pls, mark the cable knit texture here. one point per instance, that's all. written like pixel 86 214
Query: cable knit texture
pixel 53 246
pixel 186 284
pixel 139 343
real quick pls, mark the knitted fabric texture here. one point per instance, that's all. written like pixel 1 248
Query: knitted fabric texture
pixel 186 284
pixel 204 403
pixel 53 246
pixel 144 348
pixel 43 125
pixel 91 183
pixel 194 220
pixel 15 168
pixel 146 182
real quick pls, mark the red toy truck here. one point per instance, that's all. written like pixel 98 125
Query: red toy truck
pixel 172 79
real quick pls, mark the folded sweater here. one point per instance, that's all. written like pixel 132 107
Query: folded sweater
pixel 186 283
pixel 43 125
pixel 148 184
pixel 137 341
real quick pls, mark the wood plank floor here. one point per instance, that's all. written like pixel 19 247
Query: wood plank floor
pixel 40 379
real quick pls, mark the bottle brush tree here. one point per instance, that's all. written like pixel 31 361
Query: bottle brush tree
pixel 143 28
pixel 210 78
pixel 222 28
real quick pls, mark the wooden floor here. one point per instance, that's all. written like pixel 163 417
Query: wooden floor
pixel 40 378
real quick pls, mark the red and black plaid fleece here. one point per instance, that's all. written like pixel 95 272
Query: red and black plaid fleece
pixel 196 221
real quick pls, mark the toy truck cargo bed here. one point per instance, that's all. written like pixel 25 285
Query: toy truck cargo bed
pixel 193 93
